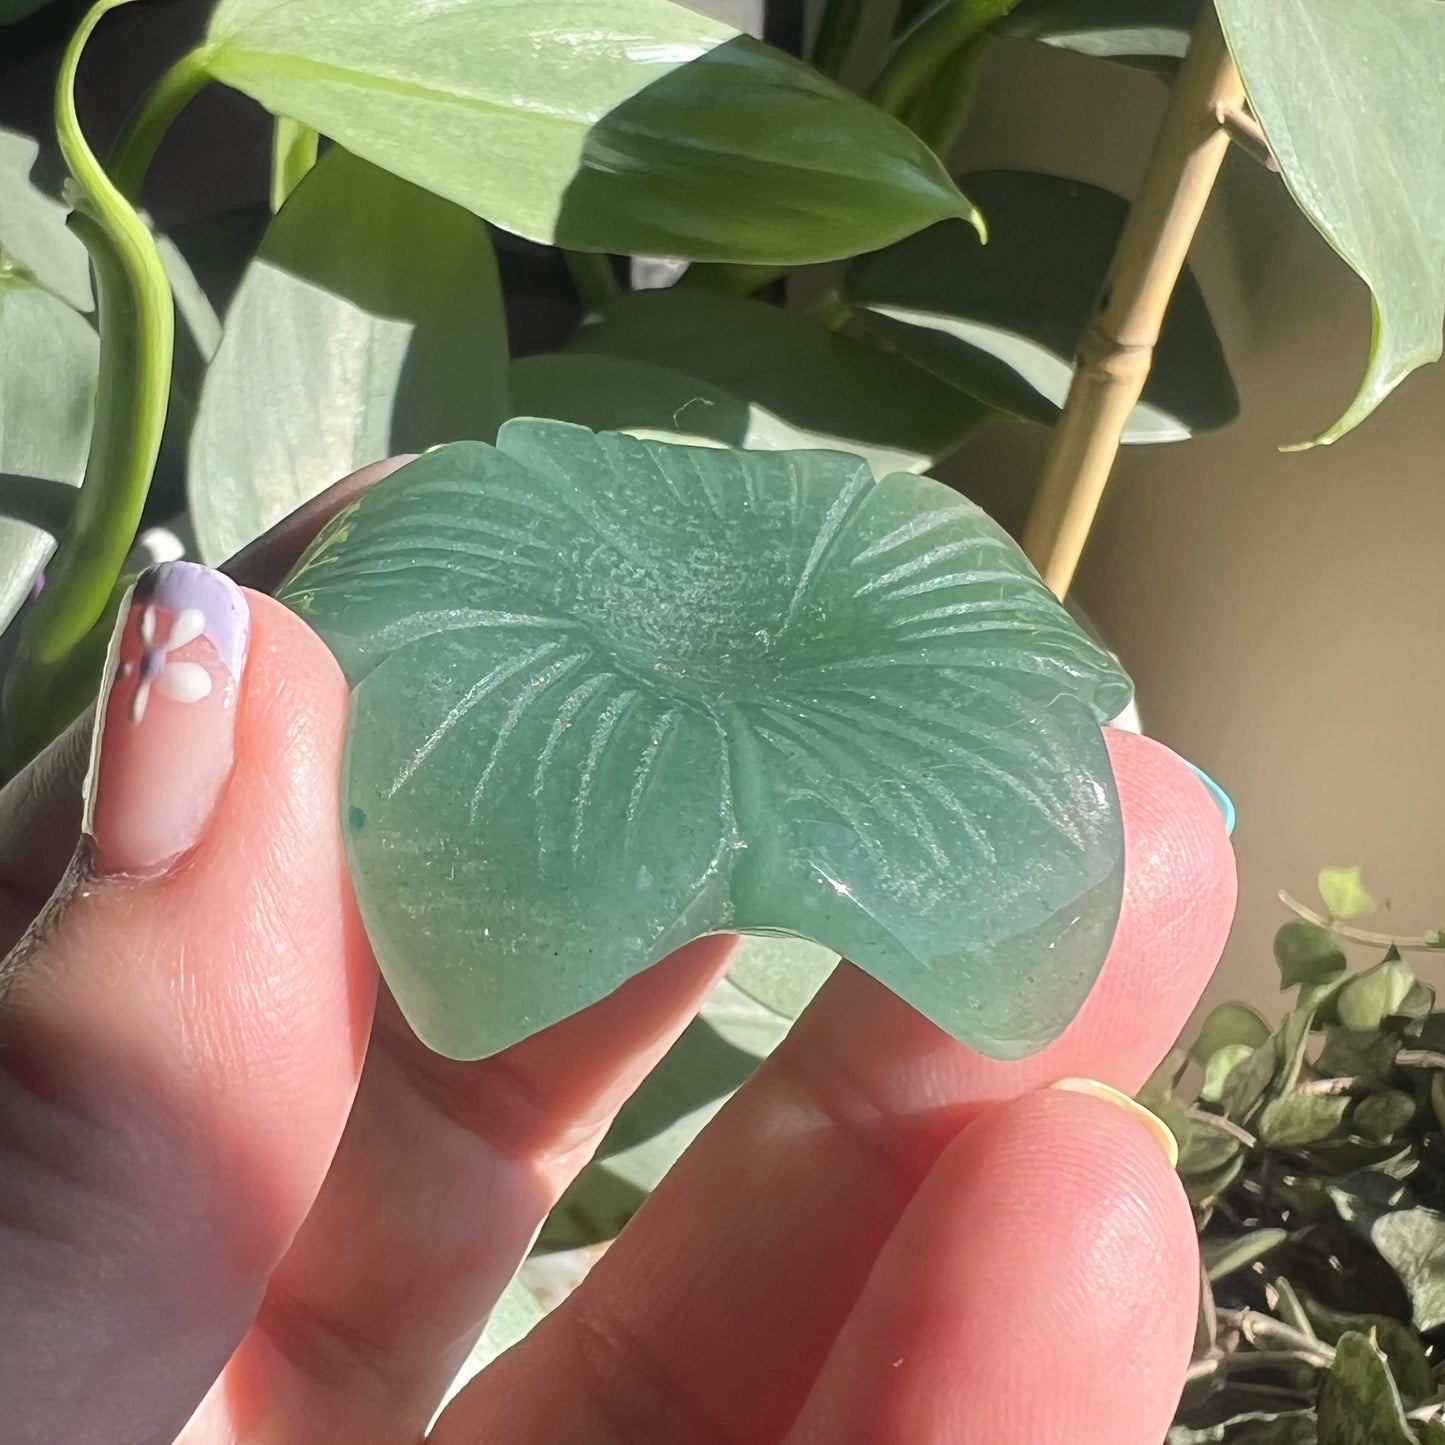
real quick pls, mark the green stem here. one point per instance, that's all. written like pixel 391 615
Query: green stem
pixel 293 152
pixel 836 32
pixel 938 112
pixel 152 117
pixel 42 503
pixel 53 664
pixel 934 40
pixel 831 310
pixel 593 276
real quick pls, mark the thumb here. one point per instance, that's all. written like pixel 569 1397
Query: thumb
pixel 182 1031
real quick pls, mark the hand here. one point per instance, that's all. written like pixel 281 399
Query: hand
pixel 236 1192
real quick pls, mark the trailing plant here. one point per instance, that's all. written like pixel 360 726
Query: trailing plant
pixel 1312 1153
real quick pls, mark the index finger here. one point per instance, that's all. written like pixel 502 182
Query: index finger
pixel 40 806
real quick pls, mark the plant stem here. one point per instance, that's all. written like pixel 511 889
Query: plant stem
pixel 939 110
pixel 593 276
pixel 1117 350
pixel 293 153
pixel 926 47
pixel 42 503
pixel 152 117
pixel 836 32
pixel 1406 943
pixel 55 660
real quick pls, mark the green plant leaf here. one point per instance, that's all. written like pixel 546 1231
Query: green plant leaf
pixel 1412 1243
pixel 1401 1347
pixel 1351 1055
pixel 1249 1081
pixel 33 234
pixel 1301 1118
pixel 1344 894
pixel 49 359
pixel 639 126
pixel 1307 954
pixel 1153 34
pixel 1003 321
pixel 1371 997
pixel 1382 1116
pixel 826 390
pixel 1222 1063
pixel 611 695
pixel 1208 1146
pixel 1359 1404
pixel 1229 1023
pixel 1225 1257
pixel 1349 96
pixel 613 393
pixel 343 346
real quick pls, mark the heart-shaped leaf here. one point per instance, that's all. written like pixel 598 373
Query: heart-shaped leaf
pixel 791 382
pixel 1359 1403
pixel 369 323
pixel 1350 97
pixel 1307 954
pixel 49 360
pixel 1152 34
pixel 33 233
pixel 1003 321
pixel 636 126
pixel 612 695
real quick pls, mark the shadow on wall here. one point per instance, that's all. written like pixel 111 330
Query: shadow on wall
pixel 1282 614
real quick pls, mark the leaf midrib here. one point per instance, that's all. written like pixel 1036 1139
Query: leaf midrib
pixel 303 67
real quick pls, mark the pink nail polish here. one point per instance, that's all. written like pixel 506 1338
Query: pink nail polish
pixel 165 734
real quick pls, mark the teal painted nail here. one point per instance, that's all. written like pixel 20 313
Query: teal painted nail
pixel 1221 798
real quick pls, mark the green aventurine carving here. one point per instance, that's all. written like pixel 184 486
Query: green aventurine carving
pixel 611 695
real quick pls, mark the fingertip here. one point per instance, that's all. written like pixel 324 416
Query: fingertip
pixel 1051 1230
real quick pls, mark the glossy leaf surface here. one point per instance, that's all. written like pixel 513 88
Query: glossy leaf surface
pixel 765 377
pixel 1152 34
pixel 369 323
pixel 636 126
pixel 612 695
pixel 49 357
pixel 1002 321
pixel 1351 96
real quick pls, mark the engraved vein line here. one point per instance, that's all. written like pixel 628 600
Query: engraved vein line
pixel 834 521
pixel 523 701
pixel 606 725
pixel 480 689
pixel 572 704
pixel 647 764
pixel 944 552
pixel 919 777
pixel 910 531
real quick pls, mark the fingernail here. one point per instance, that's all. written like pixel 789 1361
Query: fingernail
pixel 165 734
pixel 1157 1129
pixel 1221 798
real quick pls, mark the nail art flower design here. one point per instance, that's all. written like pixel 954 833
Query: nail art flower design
pixel 179 681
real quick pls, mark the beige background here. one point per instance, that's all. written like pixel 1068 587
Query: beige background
pixel 1282 615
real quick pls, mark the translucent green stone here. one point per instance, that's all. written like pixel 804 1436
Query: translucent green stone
pixel 611 695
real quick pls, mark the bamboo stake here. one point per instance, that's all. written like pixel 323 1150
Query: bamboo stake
pixel 1117 350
